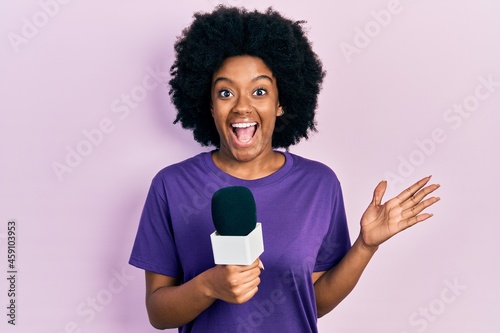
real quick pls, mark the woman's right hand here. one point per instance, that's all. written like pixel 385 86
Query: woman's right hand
pixel 233 283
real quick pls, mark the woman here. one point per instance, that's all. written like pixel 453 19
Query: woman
pixel 247 83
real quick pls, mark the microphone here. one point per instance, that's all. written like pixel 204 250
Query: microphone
pixel 237 239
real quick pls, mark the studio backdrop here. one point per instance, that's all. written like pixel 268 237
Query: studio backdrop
pixel 412 89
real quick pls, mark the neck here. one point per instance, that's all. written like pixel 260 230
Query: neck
pixel 252 169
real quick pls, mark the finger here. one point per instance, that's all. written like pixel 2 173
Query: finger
pixel 419 196
pixel 243 268
pixel 242 293
pixel 414 220
pixel 415 210
pixel 241 282
pixel 410 191
pixel 378 193
pixel 249 286
pixel 248 295
pixel 249 275
pixel 261 265
pixel 256 264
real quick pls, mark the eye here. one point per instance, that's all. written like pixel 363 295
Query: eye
pixel 260 92
pixel 224 93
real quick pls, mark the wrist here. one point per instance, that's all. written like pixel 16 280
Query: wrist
pixel 361 244
pixel 204 285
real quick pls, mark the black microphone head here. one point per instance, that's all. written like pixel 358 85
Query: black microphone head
pixel 233 211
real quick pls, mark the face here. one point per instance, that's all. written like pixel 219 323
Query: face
pixel 244 107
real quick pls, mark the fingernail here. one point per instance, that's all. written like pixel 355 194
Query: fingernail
pixel 261 265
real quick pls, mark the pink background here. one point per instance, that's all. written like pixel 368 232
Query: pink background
pixel 74 67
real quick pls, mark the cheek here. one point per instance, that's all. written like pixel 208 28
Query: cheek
pixel 219 121
pixel 269 126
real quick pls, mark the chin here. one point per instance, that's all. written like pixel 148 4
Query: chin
pixel 245 155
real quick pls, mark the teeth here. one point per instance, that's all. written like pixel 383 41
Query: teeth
pixel 243 125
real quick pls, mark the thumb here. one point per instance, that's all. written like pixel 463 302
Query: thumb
pixel 378 193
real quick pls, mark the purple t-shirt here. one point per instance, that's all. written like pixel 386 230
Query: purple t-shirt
pixel 301 210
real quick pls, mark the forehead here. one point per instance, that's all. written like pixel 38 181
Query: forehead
pixel 242 68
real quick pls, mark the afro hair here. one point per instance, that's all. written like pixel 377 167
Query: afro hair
pixel 227 32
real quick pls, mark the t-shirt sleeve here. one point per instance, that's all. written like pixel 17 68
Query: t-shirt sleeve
pixel 336 242
pixel 154 247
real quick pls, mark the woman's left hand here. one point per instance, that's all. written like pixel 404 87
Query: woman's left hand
pixel 381 222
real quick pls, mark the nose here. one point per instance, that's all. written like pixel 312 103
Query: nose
pixel 243 106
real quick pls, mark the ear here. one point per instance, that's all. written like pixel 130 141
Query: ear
pixel 279 111
pixel 211 109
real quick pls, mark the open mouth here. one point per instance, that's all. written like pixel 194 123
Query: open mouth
pixel 244 132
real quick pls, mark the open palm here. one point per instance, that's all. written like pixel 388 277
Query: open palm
pixel 381 222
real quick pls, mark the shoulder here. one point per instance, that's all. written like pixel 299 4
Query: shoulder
pixel 312 168
pixel 182 175
pixel 185 167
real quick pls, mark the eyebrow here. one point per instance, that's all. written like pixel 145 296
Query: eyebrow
pixel 257 78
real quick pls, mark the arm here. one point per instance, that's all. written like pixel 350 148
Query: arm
pixel 170 304
pixel 332 286
pixel 379 223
